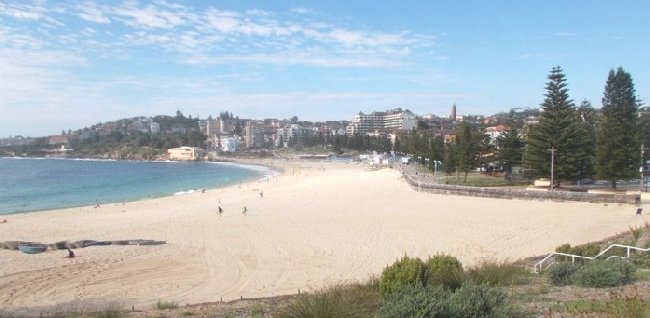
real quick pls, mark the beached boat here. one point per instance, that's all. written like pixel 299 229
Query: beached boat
pixel 32 248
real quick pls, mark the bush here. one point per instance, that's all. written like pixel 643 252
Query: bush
pixel 480 301
pixel 108 313
pixel 607 273
pixel 559 274
pixel 444 270
pixel 344 301
pixel 416 302
pixel 588 250
pixel 641 260
pixel 161 304
pixel 404 272
pixel 619 251
pixel 497 273
pixel 619 307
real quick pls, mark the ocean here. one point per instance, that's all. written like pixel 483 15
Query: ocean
pixel 28 185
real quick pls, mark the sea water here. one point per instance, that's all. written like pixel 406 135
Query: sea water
pixel 40 184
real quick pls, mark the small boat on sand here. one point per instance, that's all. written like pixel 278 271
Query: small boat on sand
pixel 32 248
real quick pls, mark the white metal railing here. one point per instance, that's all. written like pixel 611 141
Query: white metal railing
pixel 539 266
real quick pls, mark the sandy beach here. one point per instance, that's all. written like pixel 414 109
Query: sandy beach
pixel 316 224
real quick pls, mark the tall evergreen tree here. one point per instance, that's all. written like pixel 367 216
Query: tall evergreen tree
pixel 509 149
pixel 618 148
pixel 558 128
pixel 449 158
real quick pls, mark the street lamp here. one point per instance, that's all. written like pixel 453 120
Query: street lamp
pixel 435 170
pixel 552 150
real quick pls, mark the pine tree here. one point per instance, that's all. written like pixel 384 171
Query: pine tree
pixel 449 158
pixel 558 128
pixel 509 149
pixel 618 146
pixel 587 117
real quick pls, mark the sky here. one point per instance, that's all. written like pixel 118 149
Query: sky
pixel 72 64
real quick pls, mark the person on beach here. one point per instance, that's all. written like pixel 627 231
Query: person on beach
pixel 70 253
pixel 639 210
pixel 3 221
pixel 261 194
pixel 245 211
pixel 220 210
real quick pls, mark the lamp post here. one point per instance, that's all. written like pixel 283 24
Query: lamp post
pixel 641 171
pixel 435 170
pixel 552 150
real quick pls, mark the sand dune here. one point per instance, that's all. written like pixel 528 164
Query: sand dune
pixel 313 227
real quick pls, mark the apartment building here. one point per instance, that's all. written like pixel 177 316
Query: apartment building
pixel 392 120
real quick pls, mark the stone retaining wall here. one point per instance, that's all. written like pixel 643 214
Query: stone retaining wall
pixel 504 193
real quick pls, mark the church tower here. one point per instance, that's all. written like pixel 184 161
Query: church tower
pixel 453 112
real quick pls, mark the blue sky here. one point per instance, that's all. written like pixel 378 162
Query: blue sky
pixel 71 64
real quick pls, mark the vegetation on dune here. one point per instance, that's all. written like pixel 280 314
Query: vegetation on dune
pixel 497 273
pixel 338 301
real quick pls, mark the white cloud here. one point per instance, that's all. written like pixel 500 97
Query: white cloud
pixel 301 10
pixel 258 12
pixel 308 59
pixel 35 12
pixel 40 55
pixel 565 34
pixel 90 12
pixel 150 16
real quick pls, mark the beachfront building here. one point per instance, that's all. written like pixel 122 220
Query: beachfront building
pixel 254 134
pixel 185 153
pixel 291 132
pixel 392 120
pixel 228 144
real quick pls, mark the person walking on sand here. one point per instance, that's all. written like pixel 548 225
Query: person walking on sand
pixel 220 210
pixel 70 253
pixel 245 211
pixel 639 210
pixel 261 194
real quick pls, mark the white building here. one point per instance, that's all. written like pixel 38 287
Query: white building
pixel 291 131
pixel 396 119
pixel 185 153
pixel 154 127
pixel 228 144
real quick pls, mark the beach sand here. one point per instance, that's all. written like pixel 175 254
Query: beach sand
pixel 330 223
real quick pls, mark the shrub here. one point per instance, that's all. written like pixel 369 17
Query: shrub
pixel 607 273
pixel 636 233
pixel 629 307
pixel 444 270
pixel 497 273
pixel 559 274
pixel 161 304
pixel 641 260
pixel 617 251
pixel 257 310
pixel 344 301
pixel 588 250
pixel 108 313
pixel 480 301
pixel 415 301
pixel 404 272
